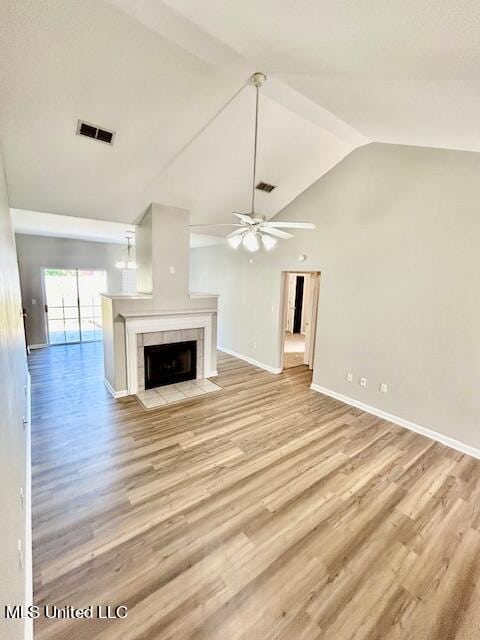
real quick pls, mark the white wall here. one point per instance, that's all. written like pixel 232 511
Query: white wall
pixel 13 436
pixel 397 243
pixel 37 252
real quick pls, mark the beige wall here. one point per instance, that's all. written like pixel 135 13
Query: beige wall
pixel 13 438
pixel 143 244
pixel 397 243
pixel 163 245
pixel 36 253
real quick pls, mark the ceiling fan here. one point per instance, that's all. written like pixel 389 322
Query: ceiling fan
pixel 251 227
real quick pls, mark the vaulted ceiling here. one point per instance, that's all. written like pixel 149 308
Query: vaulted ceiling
pixel 400 71
pixel 168 77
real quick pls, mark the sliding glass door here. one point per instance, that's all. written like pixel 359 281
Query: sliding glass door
pixel 61 293
pixel 90 285
pixel 73 304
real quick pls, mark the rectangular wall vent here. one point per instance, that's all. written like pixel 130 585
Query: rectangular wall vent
pixel 264 186
pixel 97 133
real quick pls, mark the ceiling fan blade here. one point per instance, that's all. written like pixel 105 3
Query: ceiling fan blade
pixel 244 217
pixel 237 231
pixel 220 224
pixel 271 231
pixel 290 225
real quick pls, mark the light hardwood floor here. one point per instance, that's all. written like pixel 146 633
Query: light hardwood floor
pixel 264 512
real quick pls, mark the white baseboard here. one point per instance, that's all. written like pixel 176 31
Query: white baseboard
pixel 256 363
pixel 424 431
pixel 211 374
pixel 38 346
pixel 28 511
pixel 115 394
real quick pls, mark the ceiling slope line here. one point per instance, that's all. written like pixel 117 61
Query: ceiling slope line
pixel 195 137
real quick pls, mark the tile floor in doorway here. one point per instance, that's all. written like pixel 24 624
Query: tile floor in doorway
pixel 294 350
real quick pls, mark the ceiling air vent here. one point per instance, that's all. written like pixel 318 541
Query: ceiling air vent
pixel 92 131
pixel 264 186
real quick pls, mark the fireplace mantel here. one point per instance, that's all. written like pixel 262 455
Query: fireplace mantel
pixel 165 321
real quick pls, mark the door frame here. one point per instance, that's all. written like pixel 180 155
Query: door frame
pixel 309 338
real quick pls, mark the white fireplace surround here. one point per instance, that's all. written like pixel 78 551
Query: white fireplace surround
pixel 136 325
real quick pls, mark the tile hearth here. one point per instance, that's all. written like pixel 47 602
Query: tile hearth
pixel 172 393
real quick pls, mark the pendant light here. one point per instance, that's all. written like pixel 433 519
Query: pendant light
pixel 127 261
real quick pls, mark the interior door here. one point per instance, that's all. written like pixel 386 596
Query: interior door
pixel 311 328
pixel 306 303
pixel 291 290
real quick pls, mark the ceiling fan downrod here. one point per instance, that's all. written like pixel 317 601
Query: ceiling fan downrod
pixel 257 79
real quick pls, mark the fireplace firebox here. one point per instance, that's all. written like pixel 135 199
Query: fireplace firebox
pixel 170 363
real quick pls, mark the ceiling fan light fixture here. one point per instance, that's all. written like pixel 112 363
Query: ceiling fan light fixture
pixel 250 241
pixel 268 242
pixel 235 241
pixel 252 229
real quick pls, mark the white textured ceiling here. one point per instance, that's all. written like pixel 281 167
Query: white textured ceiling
pixel 160 82
pixel 340 73
pixel 64 60
pixel 214 175
pixel 400 71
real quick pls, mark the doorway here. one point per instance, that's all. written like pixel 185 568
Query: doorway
pixel 301 291
pixel 73 304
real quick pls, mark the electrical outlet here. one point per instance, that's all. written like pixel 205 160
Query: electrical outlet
pixel 363 382
pixel 349 377
pixel 254 345
pixel 22 498
pixel 384 387
pixel 172 271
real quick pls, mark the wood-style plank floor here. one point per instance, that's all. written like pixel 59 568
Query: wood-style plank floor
pixel 266 511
